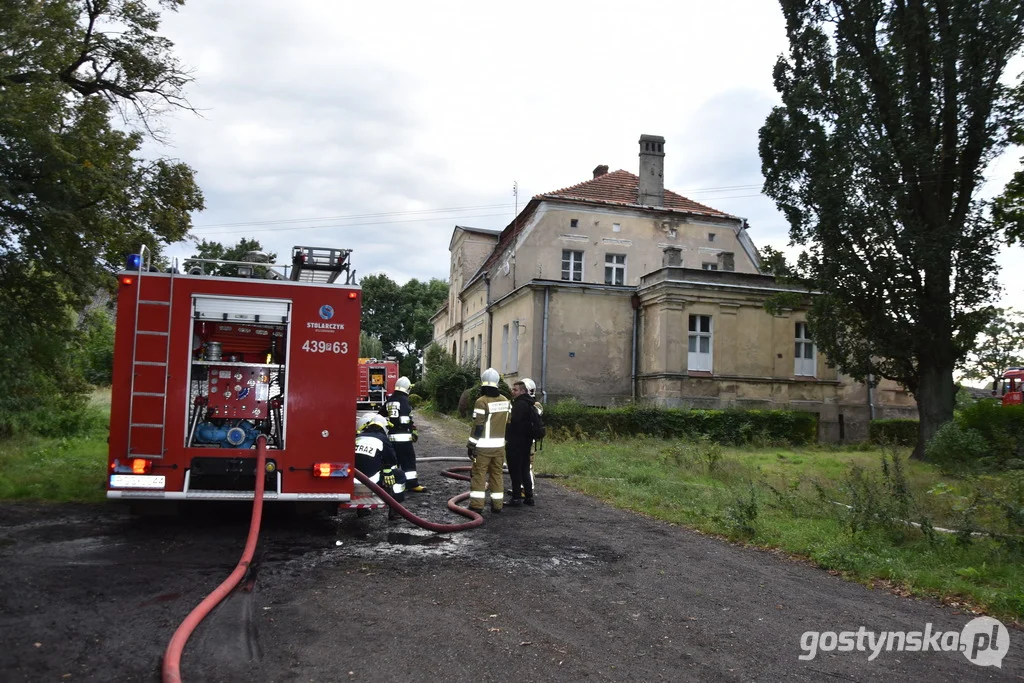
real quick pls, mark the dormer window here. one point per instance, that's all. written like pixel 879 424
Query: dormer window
pixel 574 222
pixel 616 227
pixel 711 237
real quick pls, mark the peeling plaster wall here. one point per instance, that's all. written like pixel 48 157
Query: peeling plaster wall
pixel 589 346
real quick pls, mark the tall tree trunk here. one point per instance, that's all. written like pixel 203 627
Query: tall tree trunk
pixel 936 396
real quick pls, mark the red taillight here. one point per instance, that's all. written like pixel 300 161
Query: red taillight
pixel 141 466
pixel 352 295
pixel 330 469
pixel 126 279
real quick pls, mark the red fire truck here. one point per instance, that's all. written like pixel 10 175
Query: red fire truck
pixel 1012 386
pixel 376 382
pixel 204 365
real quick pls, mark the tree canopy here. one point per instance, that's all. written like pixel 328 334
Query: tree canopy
pixel 76 193
pixel 999 347
pixel 239 252
pixel 399 315
pixel 891 111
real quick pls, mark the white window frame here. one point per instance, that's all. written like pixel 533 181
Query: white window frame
pixel 804 365
pixel 479 347
pixel 707 265
pixel 513 347
pixel 572 265
pixel 472 349
pixel 613 267
pixel 700 343
pixel 504 349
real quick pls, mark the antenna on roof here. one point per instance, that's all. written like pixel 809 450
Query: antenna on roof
pixel 515 229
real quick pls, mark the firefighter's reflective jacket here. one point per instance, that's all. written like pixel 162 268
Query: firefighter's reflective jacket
pixel 374 452
pixel 399 413
pixel 490 416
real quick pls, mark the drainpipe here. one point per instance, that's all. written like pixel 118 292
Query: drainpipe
pixel 871 403
pixel 544 347
pixel 490 317
pixel 635 302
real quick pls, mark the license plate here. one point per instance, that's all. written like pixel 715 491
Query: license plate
pixel 137 481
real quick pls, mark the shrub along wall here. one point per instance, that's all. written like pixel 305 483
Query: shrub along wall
pixel 899 432
pixel 723 426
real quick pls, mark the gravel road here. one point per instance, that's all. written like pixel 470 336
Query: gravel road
pixel 570 590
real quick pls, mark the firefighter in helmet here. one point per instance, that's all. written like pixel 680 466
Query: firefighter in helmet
pixel 486 445
pixel 375 457
pixel 403 432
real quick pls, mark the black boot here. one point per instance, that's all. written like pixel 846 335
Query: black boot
pixel 529 500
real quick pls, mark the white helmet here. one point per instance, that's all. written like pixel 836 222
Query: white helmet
pixel 489 378
pixel 403 385
pixel 362 420
pixel 378 420
pixel 531 386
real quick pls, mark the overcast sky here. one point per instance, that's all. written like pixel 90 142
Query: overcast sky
pixel 380 126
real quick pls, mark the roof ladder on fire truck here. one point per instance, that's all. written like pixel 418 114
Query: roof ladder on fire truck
pixel 321 264
pixel 151 351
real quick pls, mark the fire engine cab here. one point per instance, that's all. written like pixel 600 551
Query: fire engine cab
pixel 206 364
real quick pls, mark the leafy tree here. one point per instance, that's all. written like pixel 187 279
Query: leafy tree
pixel 891 111
pixel 239 252
pixel 97 346
pixel 75 192
pixel 369 346
pixel 1000 346
pixel 400 315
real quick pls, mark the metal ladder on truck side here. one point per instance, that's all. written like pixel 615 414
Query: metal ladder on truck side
pixel 148 404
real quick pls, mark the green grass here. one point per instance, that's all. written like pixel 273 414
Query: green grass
pixel 794 500
pixel 67 469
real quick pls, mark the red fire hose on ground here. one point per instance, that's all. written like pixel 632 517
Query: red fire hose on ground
pixel 172 656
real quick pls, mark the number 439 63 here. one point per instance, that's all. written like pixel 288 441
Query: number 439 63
pixel 315 346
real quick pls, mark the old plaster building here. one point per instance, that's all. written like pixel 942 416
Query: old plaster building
pixel 616 289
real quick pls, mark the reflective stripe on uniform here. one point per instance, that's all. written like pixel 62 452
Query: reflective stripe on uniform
pixel 404 419
pixel 399 488
pixel 477 411
pixel 478 494
pixel 490 443
pixel 375 478
pixel 411 474
pixel 472 440
pixel 401 437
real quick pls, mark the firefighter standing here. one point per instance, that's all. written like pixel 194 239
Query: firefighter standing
pixel 375 457
pixel 486 445
pixel 403 432
pixel 519 442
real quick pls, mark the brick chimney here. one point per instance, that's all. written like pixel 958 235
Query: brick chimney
pixel 652 171
pixel 600 170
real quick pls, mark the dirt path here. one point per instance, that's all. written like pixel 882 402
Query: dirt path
pixel 569 590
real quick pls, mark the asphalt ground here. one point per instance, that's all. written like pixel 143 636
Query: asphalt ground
pixel 568 590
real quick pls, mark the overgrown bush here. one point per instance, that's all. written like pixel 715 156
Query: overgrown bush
pixel 445 379
pixel 982 436
pixel 570 418
pixel 955 448
pixel 415 400
pixel 896 432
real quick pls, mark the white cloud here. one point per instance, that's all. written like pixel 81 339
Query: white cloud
pixel 374 114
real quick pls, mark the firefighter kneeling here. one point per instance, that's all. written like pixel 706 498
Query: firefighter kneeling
pixel 375 457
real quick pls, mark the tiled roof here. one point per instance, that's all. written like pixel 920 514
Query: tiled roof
pixel 619 188
pixel 622 187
